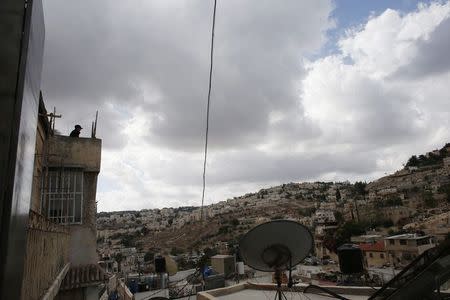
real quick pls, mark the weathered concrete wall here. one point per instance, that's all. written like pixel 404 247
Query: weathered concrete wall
pixel 75 152
pixel 84 153
pixel 90 204
pixel 74 294
pixel 82 245
pixel 91 293
pixel 46 255
pixel 83 238
pixel 377 260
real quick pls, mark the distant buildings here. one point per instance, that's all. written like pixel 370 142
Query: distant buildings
pixel 322 216
pixel 404 248
pixel 325 226
pixel 223 264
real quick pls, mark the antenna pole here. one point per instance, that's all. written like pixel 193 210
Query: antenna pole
pixel 54 114
pixel 95 124
pixel 52 121
pixel 279 293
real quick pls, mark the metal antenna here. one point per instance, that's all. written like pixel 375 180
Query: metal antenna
pixel 94 126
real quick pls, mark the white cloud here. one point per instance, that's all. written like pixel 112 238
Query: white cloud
pixel 361 98
pixel 390 40
pixel 353 115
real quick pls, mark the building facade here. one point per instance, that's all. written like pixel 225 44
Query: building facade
pixel 404 248
pixel 61 258
pixel 374 254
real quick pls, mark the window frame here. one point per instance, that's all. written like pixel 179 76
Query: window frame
pixel 57 199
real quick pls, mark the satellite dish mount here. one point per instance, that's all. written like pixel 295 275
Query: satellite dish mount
pixel 276 246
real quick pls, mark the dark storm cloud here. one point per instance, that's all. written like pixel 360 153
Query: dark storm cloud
pixel 432 55
pixel 155 55
pixel 257 61
pixel 257 166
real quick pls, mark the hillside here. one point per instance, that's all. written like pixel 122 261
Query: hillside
pixel 422 185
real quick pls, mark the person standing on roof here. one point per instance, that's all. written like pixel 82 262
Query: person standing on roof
pixel 76 131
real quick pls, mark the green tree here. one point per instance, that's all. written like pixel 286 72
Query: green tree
pixel 429 200
pixel 175 251
pixel 144 230
pixel 339 217
pixel 338 195
pixel 447 237
pixel 235 222
pixel 208 252
pixel 393 201
pixel 445 189
pixel 149 256
pixel 119 257
pixel 127 241
pixel 347 230
pixel 388 223
pixel 360 188
pixel 413 161
pixel 223 229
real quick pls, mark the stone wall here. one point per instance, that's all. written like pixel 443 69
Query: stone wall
pixel 83 237
pixel 67 151
pixel 83 153
pixel 46 255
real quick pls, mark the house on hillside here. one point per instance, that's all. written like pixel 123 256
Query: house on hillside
pixel 374 254
pixel 404 248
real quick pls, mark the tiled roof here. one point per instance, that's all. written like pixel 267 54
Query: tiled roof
pixel 378 246
pixel 82 276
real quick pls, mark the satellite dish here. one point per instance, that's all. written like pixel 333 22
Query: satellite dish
pixel 276 246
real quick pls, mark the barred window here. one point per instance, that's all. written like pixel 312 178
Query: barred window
pixel 63 196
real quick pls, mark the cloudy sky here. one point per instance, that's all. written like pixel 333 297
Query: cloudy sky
pixel 302 90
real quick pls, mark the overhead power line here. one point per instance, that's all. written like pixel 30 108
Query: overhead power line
pixel 207 108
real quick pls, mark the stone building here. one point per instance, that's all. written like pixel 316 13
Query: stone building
pixel 61 259
pixel 396 213
pixel 404 248
pixel 374 254
pixel 47 183
pixel 322 249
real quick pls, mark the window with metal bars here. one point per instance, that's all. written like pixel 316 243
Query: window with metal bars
pixel 63 196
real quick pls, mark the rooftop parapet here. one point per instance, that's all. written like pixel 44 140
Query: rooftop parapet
pixel 70 152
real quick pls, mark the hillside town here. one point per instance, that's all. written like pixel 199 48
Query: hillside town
pixel 393 220
pixel 328 91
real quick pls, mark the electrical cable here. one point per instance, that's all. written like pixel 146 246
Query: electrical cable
pixel 180 290
pixel 177 281
pixel 207 108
